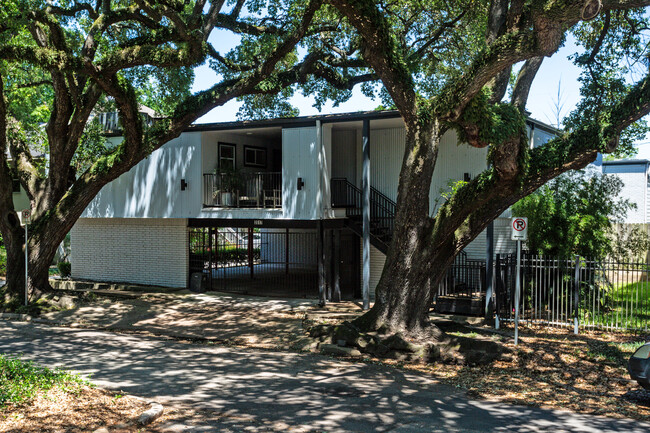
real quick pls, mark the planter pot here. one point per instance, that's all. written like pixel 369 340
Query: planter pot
pixel 227 199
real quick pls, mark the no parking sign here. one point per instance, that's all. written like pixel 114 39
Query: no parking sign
pixel 519 229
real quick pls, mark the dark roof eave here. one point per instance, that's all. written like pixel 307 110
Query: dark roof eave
pixel 296 121
pixel 305 121
pixel 628 162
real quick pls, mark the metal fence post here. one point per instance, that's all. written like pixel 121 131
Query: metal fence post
pixel 497 288
pixel 576 295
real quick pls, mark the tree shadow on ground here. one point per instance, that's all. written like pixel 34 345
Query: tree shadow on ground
pixel 300 389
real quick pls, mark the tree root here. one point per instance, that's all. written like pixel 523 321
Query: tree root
pixel 430 345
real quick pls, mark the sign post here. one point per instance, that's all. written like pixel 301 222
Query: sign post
pixel 27 219
pixel 519 233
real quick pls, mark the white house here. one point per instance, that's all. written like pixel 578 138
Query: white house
pixel 272 206
pixel 635 174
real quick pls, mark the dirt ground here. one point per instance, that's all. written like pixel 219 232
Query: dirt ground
pixel 84 411
pixel 100 411
pixel 258 322
pixel 551 367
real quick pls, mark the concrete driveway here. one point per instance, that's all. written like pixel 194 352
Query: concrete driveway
pixel 306 392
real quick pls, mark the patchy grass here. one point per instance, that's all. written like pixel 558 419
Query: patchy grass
pixel 39 399
pixel 627 306
pixel 21 381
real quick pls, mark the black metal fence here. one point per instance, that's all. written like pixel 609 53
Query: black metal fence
pixel 603 294
pixel 268 262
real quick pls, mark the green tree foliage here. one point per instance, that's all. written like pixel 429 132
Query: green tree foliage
pixel 613 60
pixel 573 214
pixel 62 63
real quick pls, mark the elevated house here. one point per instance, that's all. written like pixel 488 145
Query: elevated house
pixel 635 174
pixel 270 207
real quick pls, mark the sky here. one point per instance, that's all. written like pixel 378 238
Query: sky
pixel 556 73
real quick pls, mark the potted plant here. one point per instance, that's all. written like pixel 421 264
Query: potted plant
pixel 230 183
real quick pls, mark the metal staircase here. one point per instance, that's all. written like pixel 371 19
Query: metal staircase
pixel 382 212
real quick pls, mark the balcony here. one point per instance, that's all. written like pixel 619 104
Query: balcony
pixel 248 190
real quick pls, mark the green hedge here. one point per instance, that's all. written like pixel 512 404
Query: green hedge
pixel 227 254
pixel 65 269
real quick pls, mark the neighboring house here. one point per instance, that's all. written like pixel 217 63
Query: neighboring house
pixel 269 207
pixel 635 174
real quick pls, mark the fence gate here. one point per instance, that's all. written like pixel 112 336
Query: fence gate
pixel 265 262
pixel 463 289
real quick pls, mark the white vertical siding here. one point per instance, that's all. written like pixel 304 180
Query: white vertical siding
pixel 386 154
pixel 20 199
pixel 377 262
pixel 454 160
pixel 344 155
pixel 635 188
pixel 300 159
pixel 151 189
pixel 324 198
pixel 502 232
pixel 647 198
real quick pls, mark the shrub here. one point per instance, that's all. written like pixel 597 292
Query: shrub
pixel 65 269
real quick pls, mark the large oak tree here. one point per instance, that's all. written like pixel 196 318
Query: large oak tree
pixel 74 55
pixel 451 65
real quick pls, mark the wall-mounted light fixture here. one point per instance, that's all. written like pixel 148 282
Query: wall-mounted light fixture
pixel 300 184
pixel 184 185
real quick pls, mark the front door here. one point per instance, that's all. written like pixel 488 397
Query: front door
pixel 349 270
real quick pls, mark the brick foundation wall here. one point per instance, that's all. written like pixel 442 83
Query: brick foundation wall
pixel 131 250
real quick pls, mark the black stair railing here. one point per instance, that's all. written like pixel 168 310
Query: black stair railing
pixel 382 209
pixel 345 195
pixel 382 213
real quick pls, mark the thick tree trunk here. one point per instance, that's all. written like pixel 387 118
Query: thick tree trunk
pixel 406 287
pixel 14 240
pixel 15 284
pixel 422 247
pixel 44 240
pixel 41 254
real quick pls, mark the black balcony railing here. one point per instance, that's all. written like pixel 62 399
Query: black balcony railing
pixel 247 190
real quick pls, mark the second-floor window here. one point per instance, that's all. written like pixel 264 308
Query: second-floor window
pixel 254 156
pixel 226 157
